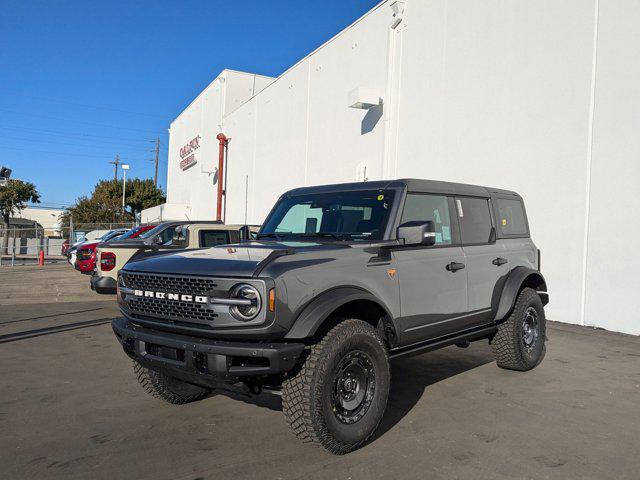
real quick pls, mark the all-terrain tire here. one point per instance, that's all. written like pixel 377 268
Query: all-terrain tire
pixel 167 388
pixel 509 345
pixel 309 397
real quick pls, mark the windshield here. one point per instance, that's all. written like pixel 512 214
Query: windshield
pixel 134 232
pixel 348 215
pixel 154 231
pixel 129 233
pixel 112 234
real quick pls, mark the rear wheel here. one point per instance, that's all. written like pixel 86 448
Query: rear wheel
pixel 519 343
pixel 338 396
pixel 168 388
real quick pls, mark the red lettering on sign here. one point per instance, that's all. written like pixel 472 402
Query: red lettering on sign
pixel 190 147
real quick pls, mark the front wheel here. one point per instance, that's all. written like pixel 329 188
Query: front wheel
pixel 339 395
pixel 519 343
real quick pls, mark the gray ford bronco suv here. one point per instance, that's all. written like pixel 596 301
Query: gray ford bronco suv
pixel 341 279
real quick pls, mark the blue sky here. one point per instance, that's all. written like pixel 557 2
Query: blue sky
pixel 83 80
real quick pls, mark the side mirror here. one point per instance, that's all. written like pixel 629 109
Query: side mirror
pixel 417 233
pixel 158 240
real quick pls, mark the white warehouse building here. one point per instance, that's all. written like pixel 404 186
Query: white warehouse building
pixel 539 97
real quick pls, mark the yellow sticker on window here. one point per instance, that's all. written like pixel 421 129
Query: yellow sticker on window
pixel 504 222
pixel 380 197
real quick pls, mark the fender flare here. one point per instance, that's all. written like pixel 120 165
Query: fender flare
pixel 518 277
pixel 315 313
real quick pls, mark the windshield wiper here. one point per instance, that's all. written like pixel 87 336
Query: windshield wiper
pixel 275 235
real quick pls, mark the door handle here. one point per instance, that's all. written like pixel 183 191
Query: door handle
pixel 454 266
pixel 499 261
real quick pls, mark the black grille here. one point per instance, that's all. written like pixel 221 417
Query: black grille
pixel 161 283
pixel 170 309
pixel 153 307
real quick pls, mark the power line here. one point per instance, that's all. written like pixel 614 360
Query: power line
pixel 104 125
pixel 55 100
pixel 70 134
pixel 71 144
pixel 62 153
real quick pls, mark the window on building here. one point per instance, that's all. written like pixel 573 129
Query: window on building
pixel 421 207
pixel 511 217
pixel 475 220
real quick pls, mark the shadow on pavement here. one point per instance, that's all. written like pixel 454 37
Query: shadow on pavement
pixel 38 332
pixel 412 376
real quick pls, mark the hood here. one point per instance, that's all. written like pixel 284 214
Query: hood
pixel 239 260
pixel 126 243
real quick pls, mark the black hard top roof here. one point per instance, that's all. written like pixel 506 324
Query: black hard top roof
pixel 411 184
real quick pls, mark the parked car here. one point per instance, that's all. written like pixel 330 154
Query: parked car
pixel 86 257
pixel 341 279
pixel 163 238
pixel 83 250
pixel 135 232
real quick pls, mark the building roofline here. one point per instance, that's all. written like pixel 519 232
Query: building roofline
pixel 222 73
pixel 313 52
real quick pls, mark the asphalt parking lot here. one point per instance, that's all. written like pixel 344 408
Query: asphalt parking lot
pixel 71 408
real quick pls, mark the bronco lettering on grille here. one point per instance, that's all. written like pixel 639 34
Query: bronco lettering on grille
pixel 171 296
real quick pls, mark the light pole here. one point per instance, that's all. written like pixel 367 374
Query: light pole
pixel 124 167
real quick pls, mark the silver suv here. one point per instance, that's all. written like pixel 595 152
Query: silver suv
pixel 341 279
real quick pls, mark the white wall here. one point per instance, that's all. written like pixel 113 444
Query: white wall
pixel 300 131
pixel 497 93
pixel 195 186
pixel 166 211
pixel 49 218
pixel 613 263
pixel 500 93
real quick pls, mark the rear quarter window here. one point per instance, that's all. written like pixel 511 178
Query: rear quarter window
pixel 211 238
pixel 511 217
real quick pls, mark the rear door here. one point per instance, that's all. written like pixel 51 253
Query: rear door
pixel 484 257
pixel 513 231
pixel 433 296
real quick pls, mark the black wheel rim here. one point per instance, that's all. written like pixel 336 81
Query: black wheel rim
pixel 354 387
pixel 530 329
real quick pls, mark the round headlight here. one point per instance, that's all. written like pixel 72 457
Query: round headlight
pixel 251 307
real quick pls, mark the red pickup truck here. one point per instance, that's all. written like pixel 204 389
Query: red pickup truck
pixel 86 254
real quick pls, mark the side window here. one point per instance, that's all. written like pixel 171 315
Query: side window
pixel 167 235
pixel 211 238
pixel 511 217
pixel 421 207
pixel 179 237
pixel 475 219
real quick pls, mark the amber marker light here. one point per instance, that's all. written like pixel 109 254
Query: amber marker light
pixel 272 300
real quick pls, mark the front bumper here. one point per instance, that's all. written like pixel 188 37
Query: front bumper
pixel 203 361
pixel 104 285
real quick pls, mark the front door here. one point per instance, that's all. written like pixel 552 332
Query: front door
pixel 433 280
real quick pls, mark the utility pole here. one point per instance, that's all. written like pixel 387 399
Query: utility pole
pixel 115 164
pixel 155 177
pixel 124 184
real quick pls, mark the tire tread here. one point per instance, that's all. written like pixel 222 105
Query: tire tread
pixel 297 391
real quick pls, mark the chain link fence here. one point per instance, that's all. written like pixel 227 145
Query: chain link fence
pixel 21 245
